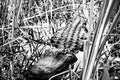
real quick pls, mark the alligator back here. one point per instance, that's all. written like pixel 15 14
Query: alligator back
pixel 70 38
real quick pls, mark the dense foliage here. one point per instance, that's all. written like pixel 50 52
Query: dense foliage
pixel 25 25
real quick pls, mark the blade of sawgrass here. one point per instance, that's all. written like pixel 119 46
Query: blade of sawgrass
pixel 93 56
pixel 48 11
pixel 45 4
pixel 14 20
pixel 39 33
pixel 77 67
pixel 30 5
pixel 87 43
pixel 100 19
pixel 11 65
pixel 3 10
pixel 11 69
pixel 16 14
pixel 19 9
pixel 51 7
pixel 58 74
pixel 76 75
pixel 20 37
pixel 70 72
pixel 111 28
pixel 73 2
